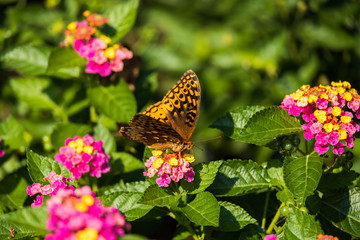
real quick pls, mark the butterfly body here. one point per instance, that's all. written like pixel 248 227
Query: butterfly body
pixel 170 123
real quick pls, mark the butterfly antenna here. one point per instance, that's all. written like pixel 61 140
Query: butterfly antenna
pixel 192 150
pixel 203 140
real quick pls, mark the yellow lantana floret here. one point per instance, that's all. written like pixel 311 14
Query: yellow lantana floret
pixel 86 13
pixel 346 85
pixel 173 162
pixel 324 96
pixel 340 90
pixel 189 158
pixel 336 127
pixel 79 149
pixel 106 39
pixel 342 134
pixel 312 98
pixel 88 149
pixel 80 206
pixel 336 111
pixel 87 200
pixel 79 142
pixel 71 26
pixel 304 87
pixel 320 115
pixel 347 96
pixel 297 95
pixel 345 119
pixel 72 144
pixel 328 127
pixel 158 162
pixel 110 52
pixel 157 153
pixel 87 234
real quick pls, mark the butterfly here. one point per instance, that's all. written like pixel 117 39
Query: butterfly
pixel 169 123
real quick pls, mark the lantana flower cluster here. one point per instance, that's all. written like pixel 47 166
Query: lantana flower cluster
pixel 84 155
pixel 326 237
pixel 57 182
pixel 86 39
pixel 328 112
pixel 270 237
pixel 169 166
pixel 78 214
pixel 2 152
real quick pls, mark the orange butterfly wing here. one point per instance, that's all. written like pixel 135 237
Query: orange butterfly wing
pixel 169 123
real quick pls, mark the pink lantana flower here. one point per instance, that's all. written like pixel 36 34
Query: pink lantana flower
pixel 57 182
pixel 78 214
pixel 328 113
pixel 270 237
pixel 171 166
pixel 84 155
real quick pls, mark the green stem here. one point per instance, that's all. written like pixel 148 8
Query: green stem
pixel 275 219
pixel 93 115
pixel 263 222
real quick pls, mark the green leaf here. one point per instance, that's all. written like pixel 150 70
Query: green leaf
pixel 205 174
pixel 12 192
pixel 238 177
pixel 233 217
pixel 232 123
pixel 126 197
pixel 67 130
pixel 122 162
pixel 342 209
pixel 203 210
pixel 302 175
pixel 275 171
pixel 257 125
pixel 284 195
pixel 160 197
pixel 103 134
pixel 331 181
pixel 147 154
pixel 122 17
pixel 27 60
pixel 300 225
pixel 13 134
pixel 116 102
pixel 27 222
pixel 40 167
pixel 65 63
pixel 30 91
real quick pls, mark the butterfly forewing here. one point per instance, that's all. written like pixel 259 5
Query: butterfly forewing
pixel 182 104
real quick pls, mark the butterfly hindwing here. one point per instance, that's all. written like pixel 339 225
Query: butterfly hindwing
pixel 151 132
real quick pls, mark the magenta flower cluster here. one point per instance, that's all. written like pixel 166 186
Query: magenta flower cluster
pixel 57 182
pixel 102 59
pixel 328 112
pixel 2 152
pixel 270 237
pixel 84 155
pixel 78 214
pixel 169 167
